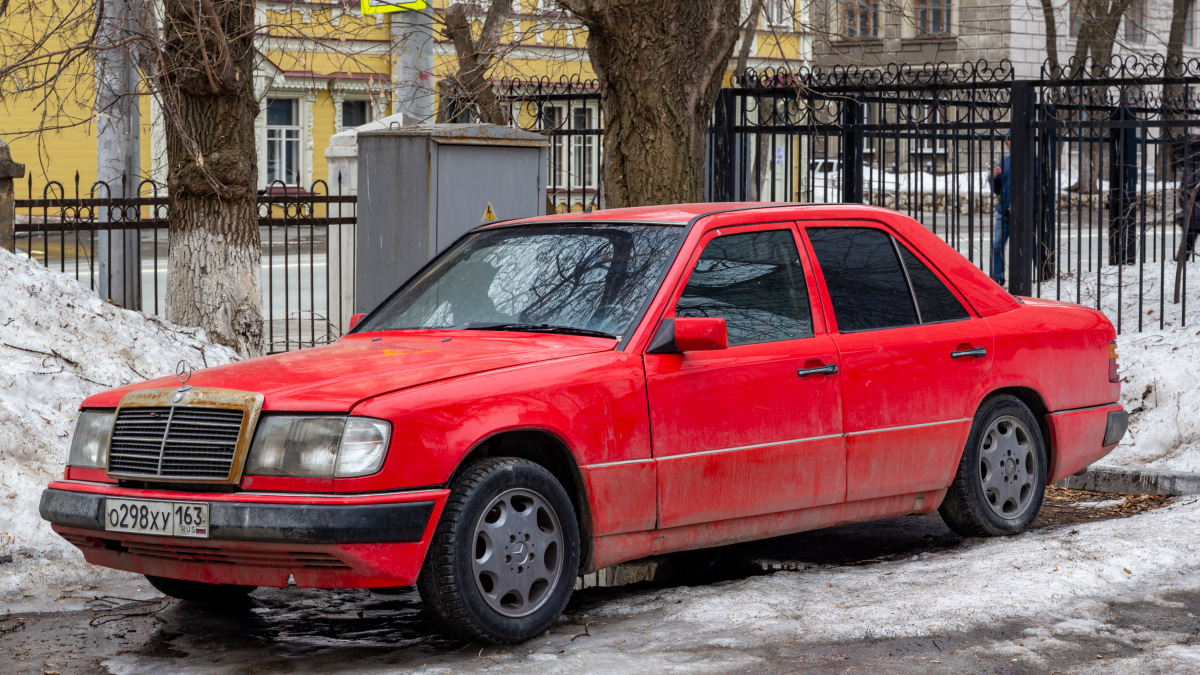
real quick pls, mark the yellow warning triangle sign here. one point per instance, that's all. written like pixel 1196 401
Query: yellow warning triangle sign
pixel 488 213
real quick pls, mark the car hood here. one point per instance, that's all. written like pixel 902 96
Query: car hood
pixel 335 377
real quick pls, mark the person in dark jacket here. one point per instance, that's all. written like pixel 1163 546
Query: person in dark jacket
pixel 1001 175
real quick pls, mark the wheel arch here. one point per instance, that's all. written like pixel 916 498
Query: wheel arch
pixel 550 452
pixel 1032 400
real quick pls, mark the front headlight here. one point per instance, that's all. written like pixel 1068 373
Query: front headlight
pixel 317 446
pixel 89 441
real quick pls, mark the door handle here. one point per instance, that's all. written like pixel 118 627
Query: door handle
pixel 827 369
pixel 977 351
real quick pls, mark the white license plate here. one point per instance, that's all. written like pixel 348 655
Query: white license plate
pixel 169 519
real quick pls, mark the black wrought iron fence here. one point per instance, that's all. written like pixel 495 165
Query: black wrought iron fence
pixel 567 111
pixel 1096 157
pixel 99 234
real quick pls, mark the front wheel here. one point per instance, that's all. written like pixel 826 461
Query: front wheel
pixel 503 561
pixel 196 591
pixel 1001 479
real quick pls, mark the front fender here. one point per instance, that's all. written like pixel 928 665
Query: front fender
pixel 594 403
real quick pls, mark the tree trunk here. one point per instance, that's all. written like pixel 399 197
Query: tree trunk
pixel 660 66
pixel 118 154
pixel 1051 30
pixel 474 56
pixel 1173 93
pixel 207 89
pixel 1098 24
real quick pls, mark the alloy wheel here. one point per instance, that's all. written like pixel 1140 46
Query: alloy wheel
pixel 517 552
pixel 1008 467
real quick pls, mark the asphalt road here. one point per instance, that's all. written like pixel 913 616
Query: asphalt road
pixel 310 631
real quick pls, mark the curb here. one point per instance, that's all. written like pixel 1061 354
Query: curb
pixel 1120 480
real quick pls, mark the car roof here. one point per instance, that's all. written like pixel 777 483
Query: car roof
pixel 669 214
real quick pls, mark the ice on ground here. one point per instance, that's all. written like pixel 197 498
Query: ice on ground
pixel 60 343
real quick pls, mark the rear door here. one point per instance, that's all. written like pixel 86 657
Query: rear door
pixel 744 431
pixel 911 356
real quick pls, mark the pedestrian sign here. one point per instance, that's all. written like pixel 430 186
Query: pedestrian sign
pixel 385 6
pixel 488 213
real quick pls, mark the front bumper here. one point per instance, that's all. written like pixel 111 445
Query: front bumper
pixel 320 541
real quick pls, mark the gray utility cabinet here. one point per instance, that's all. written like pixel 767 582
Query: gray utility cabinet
pixel 420 188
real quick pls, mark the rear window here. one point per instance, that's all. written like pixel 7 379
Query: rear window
pixel 935 302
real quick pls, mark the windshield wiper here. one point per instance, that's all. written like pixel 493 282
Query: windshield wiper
pixel 540 328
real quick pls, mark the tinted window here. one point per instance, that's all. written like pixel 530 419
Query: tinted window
pixel 756 283
pixel 935 301
pixel 865 281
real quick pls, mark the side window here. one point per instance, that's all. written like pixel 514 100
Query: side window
pixel 935 301
pixel 756 283
pixel 866 283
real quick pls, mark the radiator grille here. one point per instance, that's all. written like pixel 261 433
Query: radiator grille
pixel 175 442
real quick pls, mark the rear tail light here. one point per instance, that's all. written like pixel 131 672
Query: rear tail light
pixel 1112 362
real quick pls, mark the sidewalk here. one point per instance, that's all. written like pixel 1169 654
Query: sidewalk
pixel 1123 480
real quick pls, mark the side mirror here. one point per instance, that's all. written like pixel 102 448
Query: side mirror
pixel 689 334
pixel 354 319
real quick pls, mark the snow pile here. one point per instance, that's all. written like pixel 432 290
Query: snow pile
pixel 1160 368
pixel 60 343
pixel 1059 576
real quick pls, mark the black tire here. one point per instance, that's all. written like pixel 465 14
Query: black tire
pixel 448 584
pixel 196 591
pixel 971 508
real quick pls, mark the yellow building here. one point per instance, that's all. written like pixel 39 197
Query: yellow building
pixel 324 66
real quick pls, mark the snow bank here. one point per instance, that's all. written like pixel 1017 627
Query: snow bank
pixel 1050 576
pixel 59 343
pixel 1160 367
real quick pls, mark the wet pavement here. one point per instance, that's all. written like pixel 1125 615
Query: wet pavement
pixel 303 631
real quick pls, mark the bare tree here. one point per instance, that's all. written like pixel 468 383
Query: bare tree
pixel 660 66
pixel 197 58
pixel 470 86
pixel 205 79
pixel 1051 30
pixel 1098 24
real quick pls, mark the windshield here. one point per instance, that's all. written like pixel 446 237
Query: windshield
pixel 590 278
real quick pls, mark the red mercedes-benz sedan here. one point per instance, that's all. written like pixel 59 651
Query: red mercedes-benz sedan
pixel 555 395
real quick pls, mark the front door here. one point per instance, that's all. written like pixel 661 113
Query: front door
pixel 912 357
pixel 749 429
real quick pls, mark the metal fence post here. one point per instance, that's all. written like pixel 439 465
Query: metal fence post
pixel 852 151
pixel 723 150
pixel 1122 191
pixel 8 212
pixel 1022 190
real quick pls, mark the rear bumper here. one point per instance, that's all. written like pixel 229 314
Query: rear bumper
pixel 1080 437
pixel 320 541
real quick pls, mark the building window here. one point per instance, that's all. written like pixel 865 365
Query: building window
pixel 1135 21
pixel 1189 27
pixel 860 18
pixel 1074 21
pixel 283 141
pixel 779 13
pixel 574 157
pixel 355 113
pixel 933 17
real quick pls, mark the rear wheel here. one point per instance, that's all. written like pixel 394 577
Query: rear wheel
pixel 503 561
pixel 1001 479
pixel 196 591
